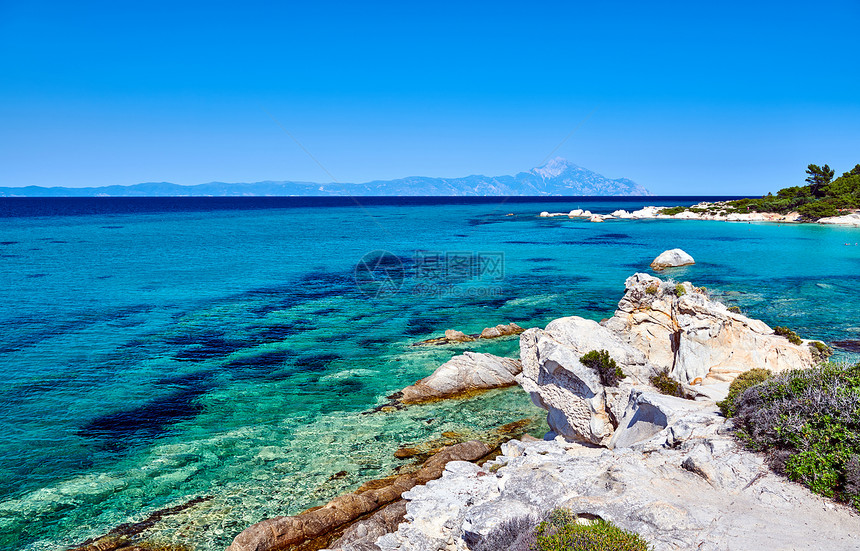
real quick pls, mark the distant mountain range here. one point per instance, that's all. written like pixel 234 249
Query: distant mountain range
pixel 557 177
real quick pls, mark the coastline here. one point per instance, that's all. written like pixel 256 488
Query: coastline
pixel 540 284
pixel 707 211
pixel 680 443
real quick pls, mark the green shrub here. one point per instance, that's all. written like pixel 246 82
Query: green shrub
pixel 820 351
pixel 735 309
pixel 792 337
pixel 562 532
pixel 663 382
pixel 673 211
pixel 816 210
pixel 517 534
pixel 808 422
pixel 651 289
pixel 610 373
pixel 680 290
pixel 743 381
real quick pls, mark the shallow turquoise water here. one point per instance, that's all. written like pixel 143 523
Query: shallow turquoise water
pixel 149 358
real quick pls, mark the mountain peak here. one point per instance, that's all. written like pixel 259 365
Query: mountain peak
pixel 554 167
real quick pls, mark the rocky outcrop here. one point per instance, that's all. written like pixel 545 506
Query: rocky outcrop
pixel 453 336
pixel 580 407
pixel 463 374
pixel 671 259
pixel 284 533
pixel 501 330
pixel 697 338
pixel 658 326
pixel 693 488
pixel 362 535
pixel 845 220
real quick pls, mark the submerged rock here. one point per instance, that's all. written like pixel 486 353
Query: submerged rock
pixel 283 533
pixel 501 330
pixel 671 259
pixel 453 336
pixel 462 374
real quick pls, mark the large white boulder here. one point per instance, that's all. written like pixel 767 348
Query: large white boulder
pixel 579 406
pixel 461 374
pixel 671 259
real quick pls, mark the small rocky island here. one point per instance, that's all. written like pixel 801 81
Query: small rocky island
pixel 638 438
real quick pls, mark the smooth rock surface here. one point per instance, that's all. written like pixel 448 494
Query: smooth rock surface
pixel 846 220
pixel 671 259
pixel 700 491
pixel 461 374
pixel 579 406
pixel 501 330
pixel 457 336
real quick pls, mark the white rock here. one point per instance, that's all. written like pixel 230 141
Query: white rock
pixel 579 406
pixel 649 413
pixel 467 372
pixel 845 220
pixel 703 492
pixel 696 340
pixel 672 258
pixel 575 213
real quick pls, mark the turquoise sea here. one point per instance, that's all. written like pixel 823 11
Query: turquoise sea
pixel 154 351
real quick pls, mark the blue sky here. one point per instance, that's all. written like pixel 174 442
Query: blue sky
pixel 684 97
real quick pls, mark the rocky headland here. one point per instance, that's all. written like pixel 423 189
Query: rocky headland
pixel 641 444
pixel 705 211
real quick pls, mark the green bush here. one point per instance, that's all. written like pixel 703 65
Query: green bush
pixel 817 209
pixel 673 211
pixel 735 309
pixel 812 202
pixel 792 337
pixel 808 422
pixel 680 290
pixel 610 373
pixel 562 532
pixel 651 289
pixel 663 382
pixel 743 381
pixel 820 351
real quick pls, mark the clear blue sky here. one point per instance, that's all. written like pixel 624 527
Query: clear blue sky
pixel 683 97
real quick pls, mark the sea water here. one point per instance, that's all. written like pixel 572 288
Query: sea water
pixel 154 351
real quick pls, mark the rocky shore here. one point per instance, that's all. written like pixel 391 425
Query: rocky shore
pixel 704 211
pixel 663 464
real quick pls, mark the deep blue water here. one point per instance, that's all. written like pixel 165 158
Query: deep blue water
pixel 157 350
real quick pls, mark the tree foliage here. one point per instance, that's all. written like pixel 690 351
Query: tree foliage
pixel 819 176
pixel 821 197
